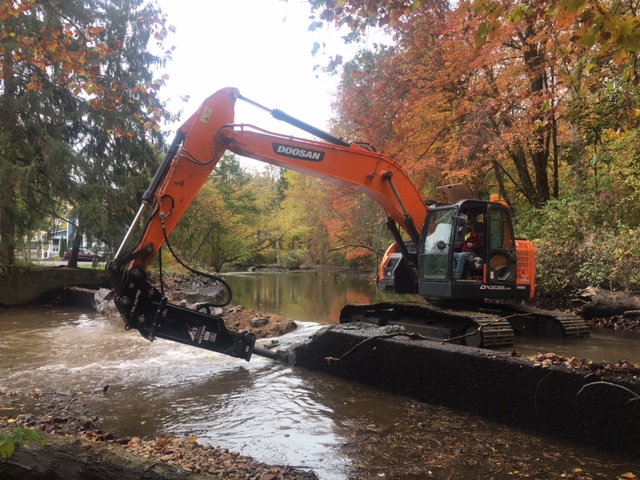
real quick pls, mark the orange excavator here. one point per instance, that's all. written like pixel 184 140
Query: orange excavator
pixel 486 292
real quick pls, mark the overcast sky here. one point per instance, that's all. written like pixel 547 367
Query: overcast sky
pixel 262 47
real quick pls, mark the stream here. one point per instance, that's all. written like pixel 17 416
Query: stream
pixel 272 412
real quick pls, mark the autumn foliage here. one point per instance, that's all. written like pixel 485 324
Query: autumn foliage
pixel 79 112
pixel 537 101
pixel 75 50
pixel 483 92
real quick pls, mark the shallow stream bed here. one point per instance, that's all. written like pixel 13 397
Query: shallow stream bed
pixel 272 412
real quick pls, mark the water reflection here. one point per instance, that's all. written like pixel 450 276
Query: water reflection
pixel 603 345
pixel 271 413
pixel 307 296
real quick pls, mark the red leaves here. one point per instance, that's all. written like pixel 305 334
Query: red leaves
pixel 96 30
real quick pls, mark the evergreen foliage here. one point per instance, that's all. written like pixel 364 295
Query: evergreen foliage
pixel 79 113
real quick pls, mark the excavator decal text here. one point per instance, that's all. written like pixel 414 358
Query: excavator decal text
pixel 495 287
pixel 206 115
pixel 300 153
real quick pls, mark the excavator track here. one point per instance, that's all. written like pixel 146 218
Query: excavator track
pixel 538 322
pixel 496 332
pixel 574 326
pixel 471 328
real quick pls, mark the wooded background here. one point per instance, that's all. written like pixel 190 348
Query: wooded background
pixel 537 102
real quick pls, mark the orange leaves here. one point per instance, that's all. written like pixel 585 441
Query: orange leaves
pixel 122 133
pixel 335 227
pixel 594 23
pixel 70 49
pixel 358 253
pixel 11 9
pixel 565 19
pixel 546 360
pixel 93 71
pixel 96 30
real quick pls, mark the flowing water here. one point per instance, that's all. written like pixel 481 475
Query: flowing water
pixel 275 413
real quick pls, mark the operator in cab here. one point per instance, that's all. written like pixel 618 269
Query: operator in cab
pixel 470 247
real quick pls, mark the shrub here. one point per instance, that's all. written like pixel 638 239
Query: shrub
pixel 579 243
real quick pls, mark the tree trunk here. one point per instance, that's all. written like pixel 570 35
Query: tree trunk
pixel 77 241
pixel 599 303
pixel 7 231
pixel 63 458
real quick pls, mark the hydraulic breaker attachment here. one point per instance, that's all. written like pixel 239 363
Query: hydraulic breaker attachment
pixel 145 309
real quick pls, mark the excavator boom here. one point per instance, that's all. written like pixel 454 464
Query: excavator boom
pixel 187 165
pixel 204 138
pixel 354 166
pixel 198 146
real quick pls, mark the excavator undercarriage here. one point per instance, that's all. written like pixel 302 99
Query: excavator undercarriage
pixel 483 325
pixel 470 328
pixel 527 320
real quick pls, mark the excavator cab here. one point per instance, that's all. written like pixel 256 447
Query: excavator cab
pixel 490 271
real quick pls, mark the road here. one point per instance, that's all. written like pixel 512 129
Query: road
pixel 50 262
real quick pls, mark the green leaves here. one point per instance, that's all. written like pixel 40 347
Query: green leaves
pixel 7 446
pixel 520 12
pixel 483 32
pixel 19 436
pixel 572 6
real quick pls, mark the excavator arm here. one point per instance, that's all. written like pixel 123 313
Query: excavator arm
pixel 354 166
pixel 198 146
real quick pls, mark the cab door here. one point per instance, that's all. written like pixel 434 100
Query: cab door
pixel 436 257
pixel 502 258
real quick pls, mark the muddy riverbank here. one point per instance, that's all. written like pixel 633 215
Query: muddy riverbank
pixel 414 442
